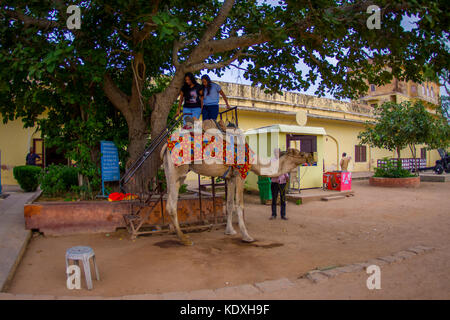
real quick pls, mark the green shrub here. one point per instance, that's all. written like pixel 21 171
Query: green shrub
pixel 162 180
pixel 391 170
pixel 183 188
pixel 58 179
pixel 27 177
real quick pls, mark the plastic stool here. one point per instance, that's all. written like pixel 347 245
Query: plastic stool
pixel 84 254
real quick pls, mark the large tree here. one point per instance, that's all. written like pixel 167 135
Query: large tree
pixel 123 46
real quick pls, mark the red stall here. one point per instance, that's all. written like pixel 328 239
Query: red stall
pixel 337 180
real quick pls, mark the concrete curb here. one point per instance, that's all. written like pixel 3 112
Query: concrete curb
pixel 318 275
pixel 13 269
pixel 245 290
pixel 5 282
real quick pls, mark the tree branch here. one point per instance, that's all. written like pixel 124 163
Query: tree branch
pixel 30 21
pixel 218 65
pixel 231 43
pixel 125 36
pixel 149 26
pixel 176 48
pixel 145 32
pixel 218 21
pixel 117 97
pixel 238 67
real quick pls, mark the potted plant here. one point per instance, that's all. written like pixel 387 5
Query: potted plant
pixel 390 174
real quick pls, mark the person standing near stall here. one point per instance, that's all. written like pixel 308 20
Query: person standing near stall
pixel 345 162
pixel 278 186
pixel 211 92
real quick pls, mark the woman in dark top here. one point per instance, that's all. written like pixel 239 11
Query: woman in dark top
pixel 192 95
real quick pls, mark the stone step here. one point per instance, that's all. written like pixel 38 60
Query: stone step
pixel 332 198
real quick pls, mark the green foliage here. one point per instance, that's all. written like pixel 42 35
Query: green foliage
pixel 58 180
pixel 401 125
pixel 391 170
pixel 58 75
pixel 162 179
pixel 79 138
pixel 183 188
pixel 27 177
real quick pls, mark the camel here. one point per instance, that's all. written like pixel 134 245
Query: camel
pixel 175 176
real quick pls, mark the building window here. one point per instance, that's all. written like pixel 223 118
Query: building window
pixel 423 153
pixel 307 143
pixel 423 90
pixel 432 92
pixel 413 89
pixel 360 154
pixel 372 87
pixel 428 91
pixel 373 105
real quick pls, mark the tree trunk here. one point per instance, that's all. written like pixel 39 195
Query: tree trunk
pixel 161 105
pixel 138 137
pixel 399 161
pixel 132 108
pixel 413 152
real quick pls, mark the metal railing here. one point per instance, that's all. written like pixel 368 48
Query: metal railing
pixel 149 151
pixel 234 115
pixel 407 163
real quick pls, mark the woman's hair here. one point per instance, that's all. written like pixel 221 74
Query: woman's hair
pixel 192 78
pixel 208 84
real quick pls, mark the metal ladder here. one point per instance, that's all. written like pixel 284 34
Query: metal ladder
pixel 154 144
pixel 135 220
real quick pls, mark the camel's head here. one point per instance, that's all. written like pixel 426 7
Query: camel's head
pixel 293 157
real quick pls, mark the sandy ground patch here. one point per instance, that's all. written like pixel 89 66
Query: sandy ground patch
pixel 375 222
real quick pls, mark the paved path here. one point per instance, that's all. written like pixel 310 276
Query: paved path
pixel 13 236
pixel 402 276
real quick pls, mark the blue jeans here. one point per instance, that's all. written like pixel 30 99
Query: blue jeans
pixel 191 112
pixel 210 112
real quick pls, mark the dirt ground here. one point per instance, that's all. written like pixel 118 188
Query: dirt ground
pixel 374 223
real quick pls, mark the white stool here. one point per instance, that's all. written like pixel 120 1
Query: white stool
pixel 84 254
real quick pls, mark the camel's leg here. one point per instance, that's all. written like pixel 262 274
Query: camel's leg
pixel 174 177
pixel 231 192
pixel 240 209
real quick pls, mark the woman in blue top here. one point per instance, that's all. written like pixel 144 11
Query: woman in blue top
pixel 211 93
pixel 192 95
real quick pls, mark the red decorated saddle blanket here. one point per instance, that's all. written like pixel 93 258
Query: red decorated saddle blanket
pixel 189 147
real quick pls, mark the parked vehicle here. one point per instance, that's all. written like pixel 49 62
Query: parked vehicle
pixel 441 165
pixel 444 163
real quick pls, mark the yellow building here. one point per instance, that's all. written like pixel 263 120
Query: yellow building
pixel 15 143
pixel 399 91
pixel 341 121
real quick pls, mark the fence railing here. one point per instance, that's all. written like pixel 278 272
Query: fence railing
pixel 407 163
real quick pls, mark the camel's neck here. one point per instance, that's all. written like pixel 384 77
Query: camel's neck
pixel 270 167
